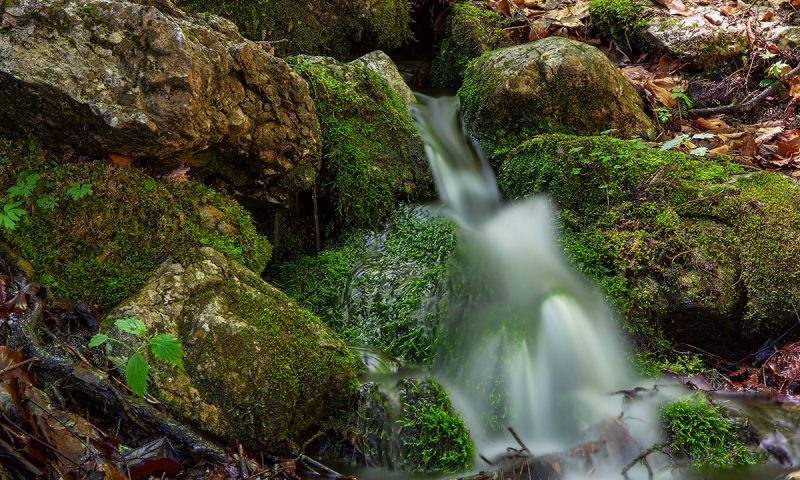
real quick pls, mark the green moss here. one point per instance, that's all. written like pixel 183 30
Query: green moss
pixel 433 436
pixel 104 246
pixel 701 431
pixel 680 244
pixel 372 155
pixel 379 288
pixel 329 27
pixel 616 17
pixel 468 32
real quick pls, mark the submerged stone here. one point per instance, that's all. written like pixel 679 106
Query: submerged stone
pixel 698 249
pixel 548 86
pixel 372 154
pixel 259 369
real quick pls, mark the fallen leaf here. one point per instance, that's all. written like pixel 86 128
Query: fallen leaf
pixel 121 160
pixel 714 124
pixel 676 7
pixel 732 8
pixel 714 18
pixel 721 150
pixel 768 15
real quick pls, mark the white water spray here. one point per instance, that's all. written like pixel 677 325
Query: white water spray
pixel 530 343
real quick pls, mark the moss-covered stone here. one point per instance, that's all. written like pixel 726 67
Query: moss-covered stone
pixel 468 32
pixel 317 27
pixel 382 288
pixel 259 369
pixel 554 85
pixel 372 154
pixel 692 247
pixel 103 246
pixel 705 435
pixel 412 428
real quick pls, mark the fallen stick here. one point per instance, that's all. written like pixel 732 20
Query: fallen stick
pixel 749 104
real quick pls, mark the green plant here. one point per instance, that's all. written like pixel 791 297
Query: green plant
pixel 616 17
pixel 163 347
pixel 701 430
pixel 78 190
pixel 26 182
pixel 11 214
pixel 773 70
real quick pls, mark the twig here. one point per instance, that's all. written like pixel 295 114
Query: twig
pixel 642 457
pixel 242 465
pixel 519 440
pixel 749 104
pixel 20 364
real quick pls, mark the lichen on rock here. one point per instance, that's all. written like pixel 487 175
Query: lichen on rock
pixel 259 369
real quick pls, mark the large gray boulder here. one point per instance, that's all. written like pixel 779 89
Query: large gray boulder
pixel 144 80
pixel 548 86
pixel 259 369
pixel 383 65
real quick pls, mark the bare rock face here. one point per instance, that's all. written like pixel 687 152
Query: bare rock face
pixel 147 81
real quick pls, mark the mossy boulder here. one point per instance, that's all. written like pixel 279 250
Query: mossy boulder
pixel 259 369
pixel 383 65
pixel 409 425
pixel 372 155
pixel 383 288
pixel 644 26
pixel 554 85
pixel 698 249
pixel 318 27
pixel 468 32
pixel 101 245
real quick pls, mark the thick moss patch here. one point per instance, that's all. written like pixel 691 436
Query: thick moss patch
pixel 318 27
pixel 103 246
pixel 696 248
pixel 381 288
pixel 372 154
pixel 468 32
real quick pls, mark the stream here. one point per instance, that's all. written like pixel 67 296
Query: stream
pixel 529 343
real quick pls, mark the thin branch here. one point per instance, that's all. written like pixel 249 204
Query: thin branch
pixel 749 104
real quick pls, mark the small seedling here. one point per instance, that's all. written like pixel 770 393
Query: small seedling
pixel 24 187
pixel 11 214
pixel 163 347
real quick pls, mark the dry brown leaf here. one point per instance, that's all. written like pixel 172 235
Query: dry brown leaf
pixel 721 150
pixel 788 143
pixel 732 8
pixel 768 15
pixel 676 7
pixel 121 160
pixel 766 133
pixel 537 4
pixel 714 124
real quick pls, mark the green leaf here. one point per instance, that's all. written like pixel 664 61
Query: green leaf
pixel 576 170
pixel 137 374
pixel 49 202
pixel 608 132
pixel 168 349
pixel 119 362
pixel 767 82
pixel 668 145
pixel 575 150
pixel 98 340
pixel 131 325
pixel 78 190
pixel 149 185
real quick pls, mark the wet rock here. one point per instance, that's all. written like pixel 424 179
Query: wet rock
pixel 372 155
pixel 551 85
pixel 468 32
pixel 384 288
pixel 144 80
pixel 317 27
pixel 381 64
pixel 259 369
pixel 695 248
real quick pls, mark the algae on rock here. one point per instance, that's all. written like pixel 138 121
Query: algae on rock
pixel 382 288
pixel 259 369
pixel 468 32
pixel 103 246
pixel 372 154
pixel 694 248
pixel 554 85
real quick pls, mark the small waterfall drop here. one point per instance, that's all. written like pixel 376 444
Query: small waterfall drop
pixel 529 343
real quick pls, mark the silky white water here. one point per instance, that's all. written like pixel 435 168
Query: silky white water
pixel 528 343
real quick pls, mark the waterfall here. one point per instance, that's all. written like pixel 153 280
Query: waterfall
pixel 529 343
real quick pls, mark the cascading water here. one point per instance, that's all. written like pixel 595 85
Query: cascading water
pixel 528 343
